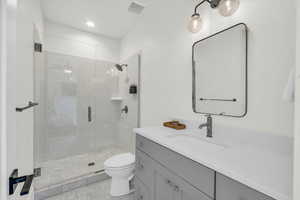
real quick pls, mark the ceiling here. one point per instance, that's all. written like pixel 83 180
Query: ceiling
pixel 111 17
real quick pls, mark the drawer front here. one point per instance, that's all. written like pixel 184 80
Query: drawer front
pixel 228 189
pixel 194 173
pixel 142 192
pixel 144 168
pixel 168 186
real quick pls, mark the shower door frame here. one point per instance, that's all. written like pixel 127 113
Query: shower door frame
pixel 8 71
pixel 12 143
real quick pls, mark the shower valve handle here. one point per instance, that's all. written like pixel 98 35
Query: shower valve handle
pixel 125 109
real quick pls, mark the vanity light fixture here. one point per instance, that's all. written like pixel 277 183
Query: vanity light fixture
pixel 226 8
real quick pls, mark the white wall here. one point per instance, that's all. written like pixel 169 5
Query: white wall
pixel 297 113
pixel 66 40
pixel 34 11
pixel 2 41
pixel 2 130
pixel 166 74
pixel 8 71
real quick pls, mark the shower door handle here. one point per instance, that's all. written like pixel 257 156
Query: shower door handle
pixel 89 114
pixel 30 105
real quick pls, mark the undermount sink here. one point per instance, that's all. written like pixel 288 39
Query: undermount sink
pixel 194 142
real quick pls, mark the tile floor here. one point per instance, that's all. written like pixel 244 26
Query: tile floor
pixel 96 191
pixel 59 171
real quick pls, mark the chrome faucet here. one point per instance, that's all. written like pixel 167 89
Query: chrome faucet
pixel 208 126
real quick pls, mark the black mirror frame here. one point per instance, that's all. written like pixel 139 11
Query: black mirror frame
pixel 246 71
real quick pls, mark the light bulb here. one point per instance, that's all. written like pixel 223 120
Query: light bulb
pixel 195 23
pixel 228 7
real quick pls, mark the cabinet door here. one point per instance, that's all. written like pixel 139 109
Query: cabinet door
pixel 188 192
pixel 163 189
pixel 144 168
pixel 168 186
pixel 142 192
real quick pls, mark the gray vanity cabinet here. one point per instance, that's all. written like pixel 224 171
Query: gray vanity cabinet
pixel 192 172
pixel 142 191
pixel 167 175
pixel 228 189
pixel 154 181
pixel 162 174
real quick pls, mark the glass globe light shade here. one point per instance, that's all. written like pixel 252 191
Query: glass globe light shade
pixel 195 23
pixel 228 7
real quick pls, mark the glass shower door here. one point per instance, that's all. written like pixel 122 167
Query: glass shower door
pixel 76 122
pixel 63 133
pixel 106 113
pixel 79 123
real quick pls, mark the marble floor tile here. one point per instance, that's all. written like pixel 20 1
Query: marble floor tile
pixel 96 191
pixel 58 171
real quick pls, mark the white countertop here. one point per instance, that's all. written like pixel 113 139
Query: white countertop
pixel 260 161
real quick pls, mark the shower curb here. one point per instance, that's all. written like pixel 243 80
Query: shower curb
pixel 70 185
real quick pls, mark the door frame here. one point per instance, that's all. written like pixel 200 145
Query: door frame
pixel 8 12
pixel 296 177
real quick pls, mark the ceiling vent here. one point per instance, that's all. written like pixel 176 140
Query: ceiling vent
pixel 136 8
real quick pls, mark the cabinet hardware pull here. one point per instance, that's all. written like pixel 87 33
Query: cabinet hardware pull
pixel 170 183
pixel 176 188
pixel 141 144
pixel 141 166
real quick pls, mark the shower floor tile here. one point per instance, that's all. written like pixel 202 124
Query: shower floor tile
pixel 63 170
pixel 97 191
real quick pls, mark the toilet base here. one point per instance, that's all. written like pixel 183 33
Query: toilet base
pixel 121 170
pixel 120 187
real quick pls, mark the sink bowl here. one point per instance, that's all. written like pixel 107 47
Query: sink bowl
pixel 196 143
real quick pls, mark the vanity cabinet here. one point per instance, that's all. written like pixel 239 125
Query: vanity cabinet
pixel 142 192
pixel 154 181
pixel 162 174
pixel 228 189
pixel 168 175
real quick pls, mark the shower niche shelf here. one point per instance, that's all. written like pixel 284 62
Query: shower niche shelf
pixel 116 99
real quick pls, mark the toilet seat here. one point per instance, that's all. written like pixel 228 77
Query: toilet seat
pixel 120 161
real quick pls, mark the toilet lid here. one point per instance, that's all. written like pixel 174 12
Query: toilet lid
pixel 120 160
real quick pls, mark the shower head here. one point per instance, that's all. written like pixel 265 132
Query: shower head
pixel 120 66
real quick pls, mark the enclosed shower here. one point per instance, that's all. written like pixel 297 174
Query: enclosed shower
pixel 80 123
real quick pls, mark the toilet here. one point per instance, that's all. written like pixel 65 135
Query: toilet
pixel 120 168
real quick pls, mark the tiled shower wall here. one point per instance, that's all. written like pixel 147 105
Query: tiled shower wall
pixel 130 77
